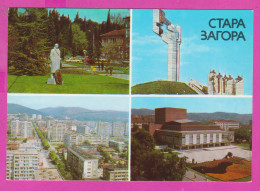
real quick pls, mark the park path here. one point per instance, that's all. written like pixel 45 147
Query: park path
pixel 194 177
pixel 116 73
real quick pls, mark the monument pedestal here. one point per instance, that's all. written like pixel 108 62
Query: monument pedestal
pixel 51 81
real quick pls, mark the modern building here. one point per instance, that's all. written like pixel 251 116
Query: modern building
pixel 83 129
pixel 187 134
pixel 72 138
pixel 118 145
pixel 39 117
pixel 83 164
pixel 219 84
pixel 173 38
pixel 172 128
pixel 21 164
pixel 226 124
pixel 22 129
pixel 113 173
pixel 34 116
pixel 56 132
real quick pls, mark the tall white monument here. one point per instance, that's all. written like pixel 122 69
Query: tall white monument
pixel 173 38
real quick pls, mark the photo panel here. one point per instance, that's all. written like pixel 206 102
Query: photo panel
pixel 68 50
pixel 66 137
pixel 198 139
pixel 205 52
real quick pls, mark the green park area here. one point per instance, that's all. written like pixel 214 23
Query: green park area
pixel 75 81
pixel 32 34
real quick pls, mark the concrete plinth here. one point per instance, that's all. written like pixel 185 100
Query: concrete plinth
pixel 51 81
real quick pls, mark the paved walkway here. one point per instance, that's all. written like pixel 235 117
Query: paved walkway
pixel 194 177
pixel 116 73
pixel 209 154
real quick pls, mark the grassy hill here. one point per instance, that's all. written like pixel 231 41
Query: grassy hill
pixel 162 87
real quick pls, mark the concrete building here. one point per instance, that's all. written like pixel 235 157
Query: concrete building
pixel 21 164
pixel 172 128
pixel 83 129
pixel 117 145
pixel 186 134
pixel 39 117
pixel 71 138
pixel 22 129
pixel 219 84
pixel 113 173
pixel 173 38
pixel 226 124
pixel 83 164
pixel 56 132
pixel 34 116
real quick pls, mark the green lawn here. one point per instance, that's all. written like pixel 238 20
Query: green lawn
pixel 162 87
pixel 75 82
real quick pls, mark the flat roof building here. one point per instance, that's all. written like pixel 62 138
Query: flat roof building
pixel 113 173
pixel 21 164
pixel 83 164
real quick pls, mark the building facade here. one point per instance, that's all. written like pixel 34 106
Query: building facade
pixel 115 173
pixel 226 124
pixel 23 129
pixel 71 138
pixel 83 164
pixel 21 164
pixel 186 134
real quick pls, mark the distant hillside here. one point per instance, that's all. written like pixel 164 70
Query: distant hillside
pixel 243 118
pixel 15 108
pixel 86 114
pixel 162 87
pixel 142 112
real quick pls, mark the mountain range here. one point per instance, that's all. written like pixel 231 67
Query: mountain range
pixel 243 118
pixel 77 113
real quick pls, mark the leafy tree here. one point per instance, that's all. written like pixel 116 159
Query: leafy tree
pixel 242 134
pixel 152 164
pixel 87 143
pixel 79 40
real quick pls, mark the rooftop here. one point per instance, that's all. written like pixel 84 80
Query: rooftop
pixel 47 174
pixel 121 32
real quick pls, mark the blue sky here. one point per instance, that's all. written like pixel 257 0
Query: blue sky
pixel 118 103
pixel 196 104
pixel 198 56
pixel 98 15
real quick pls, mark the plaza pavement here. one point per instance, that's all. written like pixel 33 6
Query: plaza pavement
pixel 209 154
pixel 194 177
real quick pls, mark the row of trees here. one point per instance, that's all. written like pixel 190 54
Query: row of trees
pixel 62 164
pixel 44 141
pixel 150 164
pixel 32 33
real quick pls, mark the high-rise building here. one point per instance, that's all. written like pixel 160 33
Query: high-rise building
pixel 39 117
pixel 56 132
pixel 83 164
pixel 21 129
pixel 21 164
